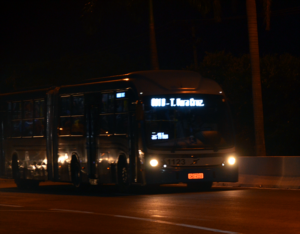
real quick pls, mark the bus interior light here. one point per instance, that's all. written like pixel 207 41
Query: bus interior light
pixel 153 162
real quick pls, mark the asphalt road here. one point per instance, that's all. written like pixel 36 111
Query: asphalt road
pixel 59 208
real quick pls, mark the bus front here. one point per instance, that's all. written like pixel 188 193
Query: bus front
pixel 188 138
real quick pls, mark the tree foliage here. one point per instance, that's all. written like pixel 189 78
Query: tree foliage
pixel 280 81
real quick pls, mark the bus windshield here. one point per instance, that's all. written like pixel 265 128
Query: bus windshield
pixel 188 121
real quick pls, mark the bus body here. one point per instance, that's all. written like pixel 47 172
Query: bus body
pixel 148 127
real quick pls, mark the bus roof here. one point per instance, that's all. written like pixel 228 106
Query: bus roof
pixel 155 82
pixel 172 81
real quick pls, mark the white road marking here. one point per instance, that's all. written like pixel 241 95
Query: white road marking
pixel 158 216
pixel 10 205
pixel 177 224
pixel 74 211
pixel 150 220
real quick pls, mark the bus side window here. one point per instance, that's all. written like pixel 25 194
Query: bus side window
pixel 107 103
pixel 38 122
pixel 65 112
pixel 65 107
pixel 77 127
pixel 64 126
pixel 121 116
pixel 27 118
pixel 71 116
pixel 106 124
pixel 106 118
pixel 16 119
pixel 39 107
pixel 78 105
pixel 28 109
pixel 77 118
pixel 7 121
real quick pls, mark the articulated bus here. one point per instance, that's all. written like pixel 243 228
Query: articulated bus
pixel 140 128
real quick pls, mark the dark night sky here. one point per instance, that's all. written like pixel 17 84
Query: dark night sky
pixel 35 31
pixel 47 42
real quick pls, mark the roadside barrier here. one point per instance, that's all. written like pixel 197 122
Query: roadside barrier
pixel 267 172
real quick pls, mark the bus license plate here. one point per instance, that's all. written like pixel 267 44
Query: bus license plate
pixel 195 176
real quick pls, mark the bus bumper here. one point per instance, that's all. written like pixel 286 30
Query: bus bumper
pixel 175 175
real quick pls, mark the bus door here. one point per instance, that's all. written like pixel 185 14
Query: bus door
pixel 91 117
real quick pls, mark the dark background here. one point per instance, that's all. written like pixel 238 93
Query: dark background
pixel 57 42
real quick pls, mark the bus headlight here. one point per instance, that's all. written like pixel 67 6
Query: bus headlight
pixel 231 160
pixel 153 162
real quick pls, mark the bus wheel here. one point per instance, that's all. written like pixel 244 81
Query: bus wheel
pixel 21 183
pixel 75 172
pixel 201 186
pixel 123 180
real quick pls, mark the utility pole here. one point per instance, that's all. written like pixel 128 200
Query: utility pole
pixel 256 80
pixel 153 49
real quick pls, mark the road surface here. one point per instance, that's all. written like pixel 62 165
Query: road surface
pixel 59 208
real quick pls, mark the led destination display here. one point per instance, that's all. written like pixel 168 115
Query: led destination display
pixel 173 102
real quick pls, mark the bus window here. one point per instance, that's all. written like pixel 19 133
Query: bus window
pixel 7 126
pixel 121 116
pixel 77 127
pixel 65 125
pixel 121 106
pixel 121 124
pixel 78 105
pixel 16 122
pixel 38 121
pixel 106 118
pixel 106 124
pixel 16 128
pixel 72 116
pixel 39 108
pixel 107 104
pixel 65 108
pixel 39 127
pixel 28 109
pixel 17 110
pixel 27 128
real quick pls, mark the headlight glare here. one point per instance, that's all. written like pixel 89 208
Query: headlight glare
pixel 231 160
pixel 153 162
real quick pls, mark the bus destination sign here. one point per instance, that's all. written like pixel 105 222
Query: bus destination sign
pixel 173 102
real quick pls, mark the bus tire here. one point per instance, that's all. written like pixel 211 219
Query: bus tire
pixel 123 180
pixel 21 183
pixel 75 172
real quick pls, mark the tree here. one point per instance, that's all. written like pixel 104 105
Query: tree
pixel 256 81
pixel 254 57
pixel 153 49
pixel 93 11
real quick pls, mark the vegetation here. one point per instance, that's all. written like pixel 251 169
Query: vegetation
pixel 280 81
